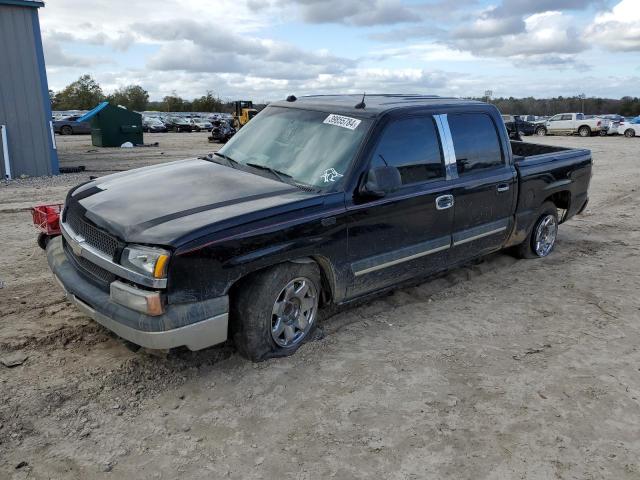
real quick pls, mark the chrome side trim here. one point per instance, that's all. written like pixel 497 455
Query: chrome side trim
pixel 451 168
pixel 476 233
pixel 82 249
pixel 482 235
pixel 434 246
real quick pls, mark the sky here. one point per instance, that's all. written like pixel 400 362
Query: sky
pixel 267 49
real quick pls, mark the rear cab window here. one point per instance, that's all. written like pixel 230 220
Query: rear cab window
pixel 476 142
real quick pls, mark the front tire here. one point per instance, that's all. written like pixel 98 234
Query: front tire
pixel 630 133
pixel 275 311
pixel 541 131
pixel 542 238
pixel 66 130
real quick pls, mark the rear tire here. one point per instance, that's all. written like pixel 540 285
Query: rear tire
pixel 275 311
pixel 541 131
pixel 542 237
pixel 66 130
pixel 584 131
pixel 630 133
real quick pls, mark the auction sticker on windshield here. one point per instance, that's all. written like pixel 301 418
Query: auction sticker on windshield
pixel 344 122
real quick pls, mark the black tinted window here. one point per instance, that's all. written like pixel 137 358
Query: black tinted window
pixel 475 141
pixel 412 146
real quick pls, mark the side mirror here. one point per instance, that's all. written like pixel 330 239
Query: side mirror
pixel 381 181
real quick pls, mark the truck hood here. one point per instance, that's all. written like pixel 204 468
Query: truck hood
pixel 176 202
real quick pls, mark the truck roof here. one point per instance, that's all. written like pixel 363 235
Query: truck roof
pixel 376 104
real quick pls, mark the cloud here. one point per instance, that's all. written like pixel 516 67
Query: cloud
pixel 119 41
pixel 202 47
pixel 618 29
pixel 424 52
pixel 55 56
pixel 488 25
pixel 236 48
pixel 548 33
pixel 527 7
pixel 353 12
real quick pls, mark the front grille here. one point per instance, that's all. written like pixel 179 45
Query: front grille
pixel 91 234
pixel 98 274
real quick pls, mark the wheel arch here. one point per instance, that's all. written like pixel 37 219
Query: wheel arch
pixel 562 201
pixel 328 280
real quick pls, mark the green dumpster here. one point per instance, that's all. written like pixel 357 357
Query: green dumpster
pixel 112 126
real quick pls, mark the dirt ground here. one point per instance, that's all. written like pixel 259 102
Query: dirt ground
pixel 505 369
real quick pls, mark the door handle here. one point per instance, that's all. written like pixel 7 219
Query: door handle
pixel 444 201
pixel 503 187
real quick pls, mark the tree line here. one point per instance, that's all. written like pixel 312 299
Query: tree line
pixel 625 106
pixel 85 93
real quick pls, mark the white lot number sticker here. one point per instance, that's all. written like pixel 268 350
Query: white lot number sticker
pixel 344 122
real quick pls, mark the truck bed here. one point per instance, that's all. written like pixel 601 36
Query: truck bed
pixel 527 155
pixel 522 150
pixel 546 171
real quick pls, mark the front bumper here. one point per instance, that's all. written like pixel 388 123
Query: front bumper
pixel 196 325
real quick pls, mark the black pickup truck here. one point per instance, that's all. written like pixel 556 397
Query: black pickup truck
pixel 318 200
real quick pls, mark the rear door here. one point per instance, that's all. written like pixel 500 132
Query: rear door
pixel 407 233
pixel 484 192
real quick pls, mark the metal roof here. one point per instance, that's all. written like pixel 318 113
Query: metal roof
pixel 23 3
pixel 375 104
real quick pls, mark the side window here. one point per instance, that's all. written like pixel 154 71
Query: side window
pixel 566 117
pixel 475 141
pixel 555 118
pixel 412 146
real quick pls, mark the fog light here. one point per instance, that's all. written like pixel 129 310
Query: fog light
pixel 147 302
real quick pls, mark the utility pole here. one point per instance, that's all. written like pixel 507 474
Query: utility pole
pixel 582 96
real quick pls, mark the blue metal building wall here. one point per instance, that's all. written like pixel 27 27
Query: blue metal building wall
pixel 24 94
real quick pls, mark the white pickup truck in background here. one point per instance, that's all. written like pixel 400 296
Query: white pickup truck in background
pixel 570 124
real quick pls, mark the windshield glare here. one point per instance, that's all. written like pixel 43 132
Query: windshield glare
pixel 299 144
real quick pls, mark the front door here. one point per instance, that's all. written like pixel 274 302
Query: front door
pixel 560 124
pixel 406 233
pixel 485 190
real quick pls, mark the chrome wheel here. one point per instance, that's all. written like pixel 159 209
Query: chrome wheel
pixel 545 235
pixel 294 312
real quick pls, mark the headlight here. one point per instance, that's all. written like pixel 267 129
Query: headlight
pixel 147 260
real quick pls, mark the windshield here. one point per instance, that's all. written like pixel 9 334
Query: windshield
pixel 313 148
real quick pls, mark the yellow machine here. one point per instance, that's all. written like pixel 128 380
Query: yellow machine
pixel 244 113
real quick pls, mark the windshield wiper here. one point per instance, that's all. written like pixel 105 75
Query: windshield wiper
pixel 283 177
pixel 230 161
